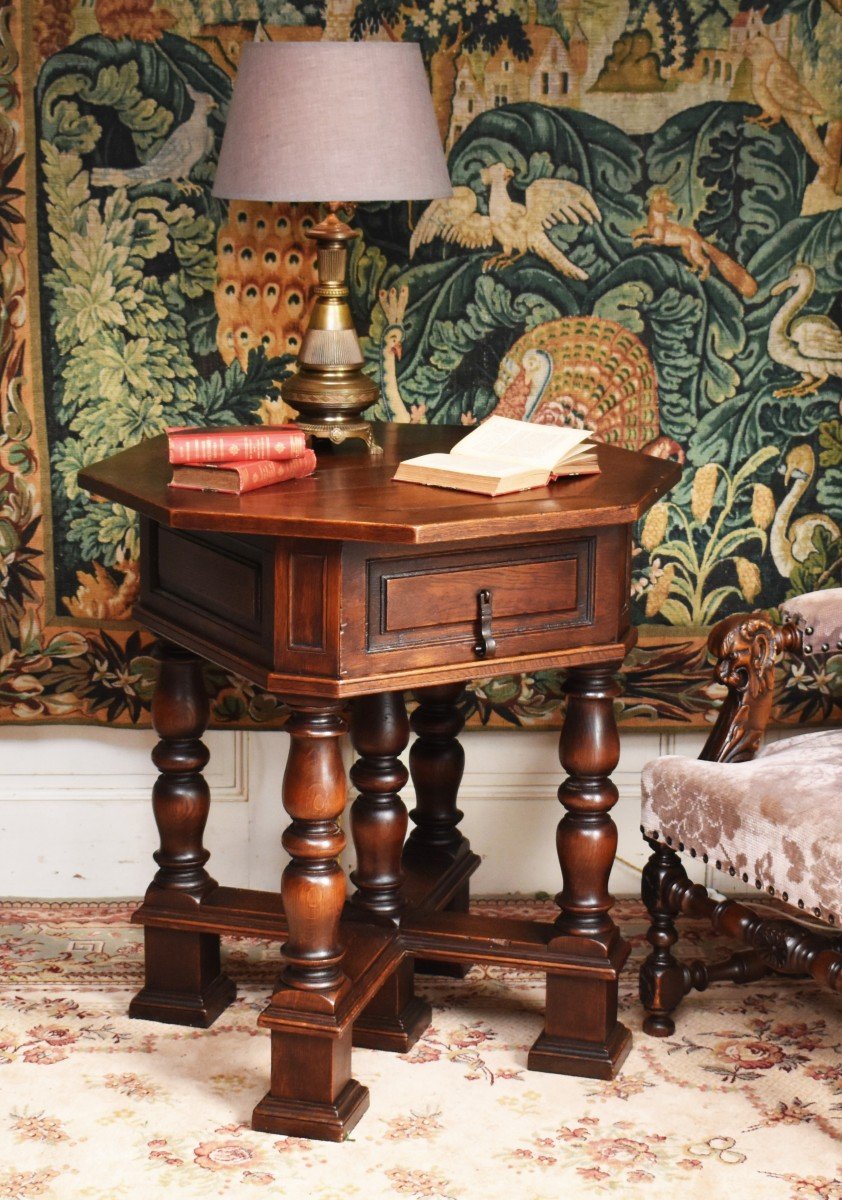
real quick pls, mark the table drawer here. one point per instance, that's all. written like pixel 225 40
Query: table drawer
pixel 434 599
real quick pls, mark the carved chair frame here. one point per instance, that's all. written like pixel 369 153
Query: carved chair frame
pixel 746 649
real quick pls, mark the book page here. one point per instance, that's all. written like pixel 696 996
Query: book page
pixel 519 442
pixel 492 467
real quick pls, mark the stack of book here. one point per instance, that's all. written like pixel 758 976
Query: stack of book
pixel 237 459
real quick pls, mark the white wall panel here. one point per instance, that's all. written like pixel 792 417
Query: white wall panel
pixel 75 818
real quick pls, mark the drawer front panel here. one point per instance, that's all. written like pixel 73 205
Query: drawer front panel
pixel 433 599
pixel 522 589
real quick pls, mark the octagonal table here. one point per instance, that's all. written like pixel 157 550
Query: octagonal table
pixel 339 593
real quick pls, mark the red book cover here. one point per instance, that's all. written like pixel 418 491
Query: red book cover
pixel 237 443
pixel 235 478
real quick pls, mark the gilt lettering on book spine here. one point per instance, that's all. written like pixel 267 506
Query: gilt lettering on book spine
pixel 241 444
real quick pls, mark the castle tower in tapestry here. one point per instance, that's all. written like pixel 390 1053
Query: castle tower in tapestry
pixel 747 25
pixel 338 20
pixel 716 64
pixel 551 75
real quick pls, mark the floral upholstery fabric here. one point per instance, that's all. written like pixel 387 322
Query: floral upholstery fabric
pixel 819 617
pixel 774 821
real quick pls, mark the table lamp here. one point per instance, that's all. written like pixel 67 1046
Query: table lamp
pixel 339 123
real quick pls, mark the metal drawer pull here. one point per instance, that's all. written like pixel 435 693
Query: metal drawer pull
pixel 486 646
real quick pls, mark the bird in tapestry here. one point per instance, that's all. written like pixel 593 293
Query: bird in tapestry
pixel 791 542
pixel 521 386
pixel 517 228
pixel 779 93
pixel 588 373
pixel 175 158
pixel 393 301
pixel 811 346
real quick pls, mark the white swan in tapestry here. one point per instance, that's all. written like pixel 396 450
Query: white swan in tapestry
pixel 521 388
pixel 810 346
pixel 791 542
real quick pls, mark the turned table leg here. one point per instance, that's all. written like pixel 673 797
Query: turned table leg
pixel 582 1035
pixel 379 733
pixel 184 982
pixel 395 1018
pixel 436 845
pixel 437 764
pixel 312 1093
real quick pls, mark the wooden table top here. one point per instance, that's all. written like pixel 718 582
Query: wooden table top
pixel 352 496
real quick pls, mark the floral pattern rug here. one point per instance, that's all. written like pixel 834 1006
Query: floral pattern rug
pixel 745 1099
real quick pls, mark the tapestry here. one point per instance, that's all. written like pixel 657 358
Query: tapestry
pixel 657 186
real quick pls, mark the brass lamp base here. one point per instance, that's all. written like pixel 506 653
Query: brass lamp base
pixel 341 431
pixel 330 389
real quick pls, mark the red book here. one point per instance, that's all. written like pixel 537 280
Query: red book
pixel 235 478
pixel 237 443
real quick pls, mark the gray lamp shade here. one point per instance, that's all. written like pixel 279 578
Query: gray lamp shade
pixel 318 121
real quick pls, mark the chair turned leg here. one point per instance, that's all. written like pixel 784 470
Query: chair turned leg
pixel 663 982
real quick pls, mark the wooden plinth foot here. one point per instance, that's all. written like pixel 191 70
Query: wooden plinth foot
pixel 565 1056
pixel 395 1018
pixel 184 981
pixel 308 1119
pixel 582 1035
pixel 312 1093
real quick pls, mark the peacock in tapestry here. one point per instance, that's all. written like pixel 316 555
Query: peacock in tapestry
pixel 266 267
pixel 588 372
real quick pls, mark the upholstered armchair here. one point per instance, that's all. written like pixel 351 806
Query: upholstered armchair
pixel 772 817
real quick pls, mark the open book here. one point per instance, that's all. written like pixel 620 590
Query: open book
pixel 503 456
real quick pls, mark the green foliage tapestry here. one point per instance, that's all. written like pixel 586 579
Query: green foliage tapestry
pixel 657 185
